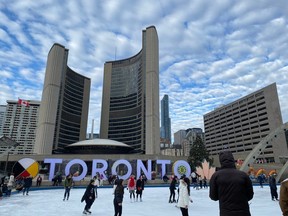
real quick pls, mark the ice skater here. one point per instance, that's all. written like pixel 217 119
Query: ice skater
pixel 68 183
pixel 184 195
pixel 131 185
pixel 118 198
pixel 139 188
pixel 27 184
pixel 273 187
pixel 89 197
pixel 172 189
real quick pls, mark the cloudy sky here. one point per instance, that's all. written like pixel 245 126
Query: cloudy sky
pixel 211 52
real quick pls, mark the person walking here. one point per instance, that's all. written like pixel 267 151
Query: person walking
pixel 172 189
pixel 283 202
pixel 118 198
pixel 89 197
pixel 131 185
pixel 273 187
pixel 184 195
pixel 10 184
pixel 233 188
pixel 27 184
pixel 68 183
pixel 139 188
pixel 38 181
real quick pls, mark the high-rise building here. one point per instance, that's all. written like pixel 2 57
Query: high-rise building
pixel 130 101
pixel 180 140
pixel 2 118
pixel 20 125
pixel 239 126
pixel 165 119
pixel 64 106
pixel 191 135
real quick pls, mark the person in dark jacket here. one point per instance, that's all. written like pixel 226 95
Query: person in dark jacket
pixel 139 188
pixel 273 187
pixel 233 188
pixel 89 197
pixel 68 183
pixel 172 189
pixel 118 198
pixel 27 184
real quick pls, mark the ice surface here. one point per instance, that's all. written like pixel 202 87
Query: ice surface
pixel 155 202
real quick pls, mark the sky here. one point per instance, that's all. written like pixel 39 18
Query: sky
pixel 211 53
pixel 155 202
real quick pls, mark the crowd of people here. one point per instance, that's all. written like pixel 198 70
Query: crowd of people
pixel 229 186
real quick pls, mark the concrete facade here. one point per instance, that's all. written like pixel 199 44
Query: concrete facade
pixel 64 108
pixel 20 124
pixel 130 101
pixel 239 126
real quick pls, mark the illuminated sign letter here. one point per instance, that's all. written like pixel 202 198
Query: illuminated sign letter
pixel 117 163
pixel 99 170
pixel 140 166
pixel 181 167
pixel 163 167
pixel 77 161
pixel 53 162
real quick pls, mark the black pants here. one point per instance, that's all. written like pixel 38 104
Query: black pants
pixel 172 195
pixel 88 205
pixel 274 194
pixel 67 192
pixel 184 211
pixel 117 208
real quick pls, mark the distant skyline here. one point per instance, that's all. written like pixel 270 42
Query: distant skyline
pixel 211 53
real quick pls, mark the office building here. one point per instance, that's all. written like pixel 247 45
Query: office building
pixel 165 119
pixel 239 126
pixel 2 118
pixel 20 125
pixel 64 105
pixel 191 135
pixel 130 101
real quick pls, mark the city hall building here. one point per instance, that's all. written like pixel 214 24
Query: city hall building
pixel 64 106
pixel 130 101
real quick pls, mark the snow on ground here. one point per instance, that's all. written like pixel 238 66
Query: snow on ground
pixel 155 203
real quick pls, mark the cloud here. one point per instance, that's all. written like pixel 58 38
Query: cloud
pixel 211 53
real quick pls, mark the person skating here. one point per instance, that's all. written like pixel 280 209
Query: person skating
pixel 89 197
pixel 131 185
pixel 139 188
pixel 118 198
pixel 172 189
pixel 27 184
pixel 68 183
pixel 184 195
pixel 233 188
pixel 273 187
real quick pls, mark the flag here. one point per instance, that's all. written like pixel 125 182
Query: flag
pixel 23 102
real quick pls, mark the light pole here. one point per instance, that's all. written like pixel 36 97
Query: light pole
pixel 6 164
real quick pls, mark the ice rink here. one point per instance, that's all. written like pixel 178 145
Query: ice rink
pixel 155 202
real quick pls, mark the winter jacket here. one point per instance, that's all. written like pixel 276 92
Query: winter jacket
pixel 272 183
pixel 173 184
pixel 118 194
pixel 68 182
pixel 11 181
pixel 139 186
pixel 184 199
pixel 233 188
pixel 89 194
pixel 28 182
pixel 131 183
pixel 283 202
